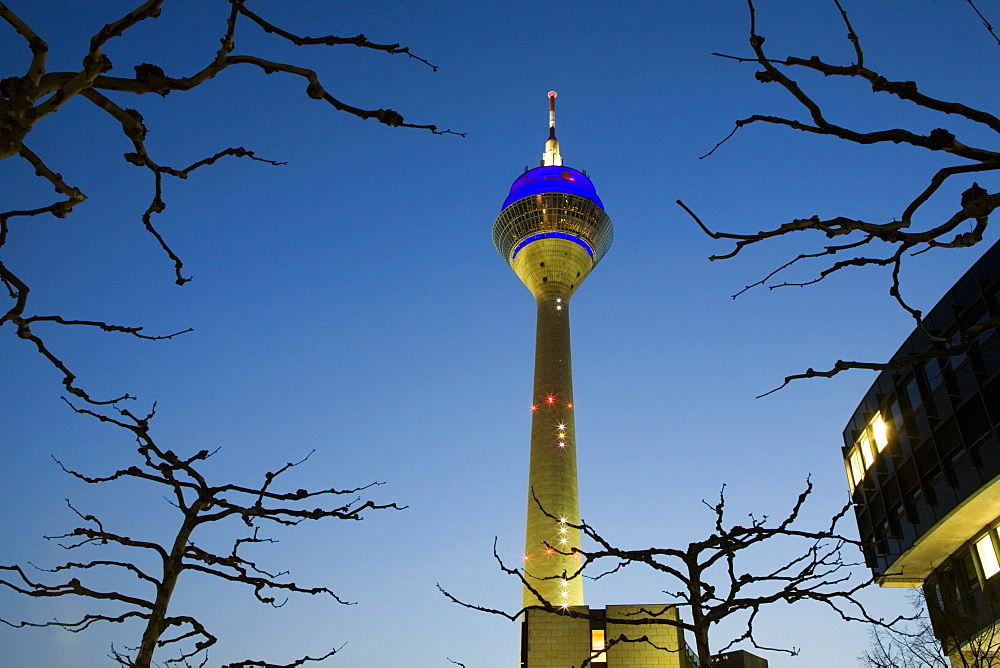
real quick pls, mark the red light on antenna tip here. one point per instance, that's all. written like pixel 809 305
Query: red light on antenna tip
pixel 552 93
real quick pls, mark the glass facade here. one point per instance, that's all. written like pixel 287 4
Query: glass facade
pixel 577 216
pixel 923 462
pixel 963 597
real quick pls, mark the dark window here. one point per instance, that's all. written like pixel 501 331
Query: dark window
pixel 986 457
pixel 937 595
pixel 932 369
pixel 914 502
pixel 958 360
pixel 896 517
pixel 960 475
pixel 925 457
pixel 913 394
pixel 948 585
pixel 967 569
pixel 933 483
pixel 989 353
pixel 947 437
pixel 897 418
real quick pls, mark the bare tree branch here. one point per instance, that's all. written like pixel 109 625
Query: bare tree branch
pixel 963 228
pixel 198 502
pixel 982 18
pixel 28 98
pixel 920 644
pixel 297 662
pixel 708 584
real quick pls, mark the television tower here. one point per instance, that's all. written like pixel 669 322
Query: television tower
pixel 552 232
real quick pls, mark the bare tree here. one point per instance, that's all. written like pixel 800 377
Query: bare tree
pixel 201 505
pixel 858 243
pixel 922 644
pixel 708 583
pixel 28 98
pixel 966 629
pixel 912 646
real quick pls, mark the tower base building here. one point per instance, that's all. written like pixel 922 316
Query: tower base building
pixel 552 640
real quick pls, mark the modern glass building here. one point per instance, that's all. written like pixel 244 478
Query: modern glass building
pixel 922 455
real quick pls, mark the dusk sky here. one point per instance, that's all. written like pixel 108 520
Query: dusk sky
pixel 352 302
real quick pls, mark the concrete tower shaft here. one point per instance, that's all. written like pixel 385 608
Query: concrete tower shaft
pixel 552 482
pixel 552 232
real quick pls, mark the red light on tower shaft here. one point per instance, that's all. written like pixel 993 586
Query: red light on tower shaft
pixel 550 399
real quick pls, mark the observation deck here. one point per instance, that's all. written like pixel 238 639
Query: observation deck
pixel 553 202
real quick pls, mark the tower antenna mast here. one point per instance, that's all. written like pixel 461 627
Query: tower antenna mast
pixel 551 157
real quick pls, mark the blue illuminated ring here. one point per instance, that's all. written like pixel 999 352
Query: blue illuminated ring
pixel 552 235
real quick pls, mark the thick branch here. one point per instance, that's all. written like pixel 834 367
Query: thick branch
pixel 27 100
pixel 976 204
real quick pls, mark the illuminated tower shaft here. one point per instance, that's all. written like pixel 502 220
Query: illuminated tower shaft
pixel 552 231
pixel 552 482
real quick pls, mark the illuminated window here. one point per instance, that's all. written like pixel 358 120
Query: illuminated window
pixel 988 556
pixel 856 469
pixel 865 444
pixel 597 646
pixel 879 432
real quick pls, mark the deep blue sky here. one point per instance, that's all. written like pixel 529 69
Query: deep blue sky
pixel 352 301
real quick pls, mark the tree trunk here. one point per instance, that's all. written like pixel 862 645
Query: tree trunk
pixel 701 644
pixel 698 613
pixel 172 568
